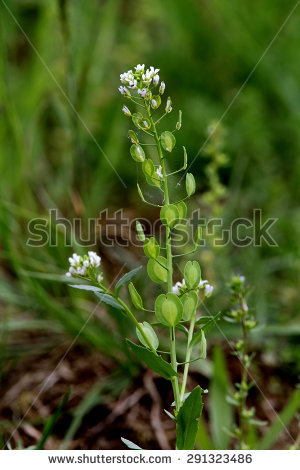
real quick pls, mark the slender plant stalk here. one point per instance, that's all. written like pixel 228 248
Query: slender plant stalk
pixel 169 257
pixel 188 356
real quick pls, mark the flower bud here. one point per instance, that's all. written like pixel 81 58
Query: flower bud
pixel 126 111
pixel 162 88
pixel 168 108
pixel 155 80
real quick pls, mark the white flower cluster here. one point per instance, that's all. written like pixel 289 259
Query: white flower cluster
pixel 140 80
pixel 79 265
pixel 181 286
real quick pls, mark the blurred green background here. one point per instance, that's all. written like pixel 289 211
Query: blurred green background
pixel 60 63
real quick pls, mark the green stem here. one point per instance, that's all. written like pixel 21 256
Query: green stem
pixel 169 257
pixel 174 365
pixel 188 356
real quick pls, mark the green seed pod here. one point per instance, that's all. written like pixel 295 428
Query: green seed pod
pixel 182 209
pixel 198 236
pixel 133 137
pixel 140 231
pixel 189 301
pixel 155 102
pixel 179 122
pixel 157 270
pixel 168 309
pixel 136 117
pixel 169 215
pixel 168 141
pixel 148 167
pixel 190 184
pixel 153 180
pixel 135 297
pixel 137 153
pixel 192 274
pixel 150 335
pixel 151 248
pixel 144 124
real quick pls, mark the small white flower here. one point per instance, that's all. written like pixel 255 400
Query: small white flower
pixel 99 278
pixel 179 285
pixel 159 171
pixel 68 274
pixel 126 111
pixel 133 84
pixel 86 263
pixel 154 103
pixel 208 290
pixel 123 90
pixel 139 67
pixel 142 92
pixel 245 307
pixel 147 77
pixel 242 278
pixel 95 260
pixel 202 283
pixel 153 71
pixel 162 88
pixel 155 80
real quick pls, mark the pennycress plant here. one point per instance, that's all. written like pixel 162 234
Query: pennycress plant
pixel 240 313
pixel 176 307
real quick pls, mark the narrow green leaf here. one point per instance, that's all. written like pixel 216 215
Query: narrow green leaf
pixel 109 300
pixel 156 363
pixel 170 415
pixel 126 278
pixel 49 426
pixel 187 420
pixel 86 287
pixel 281 422
pixel 221 415
pixel 131 445
pixel 203 440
